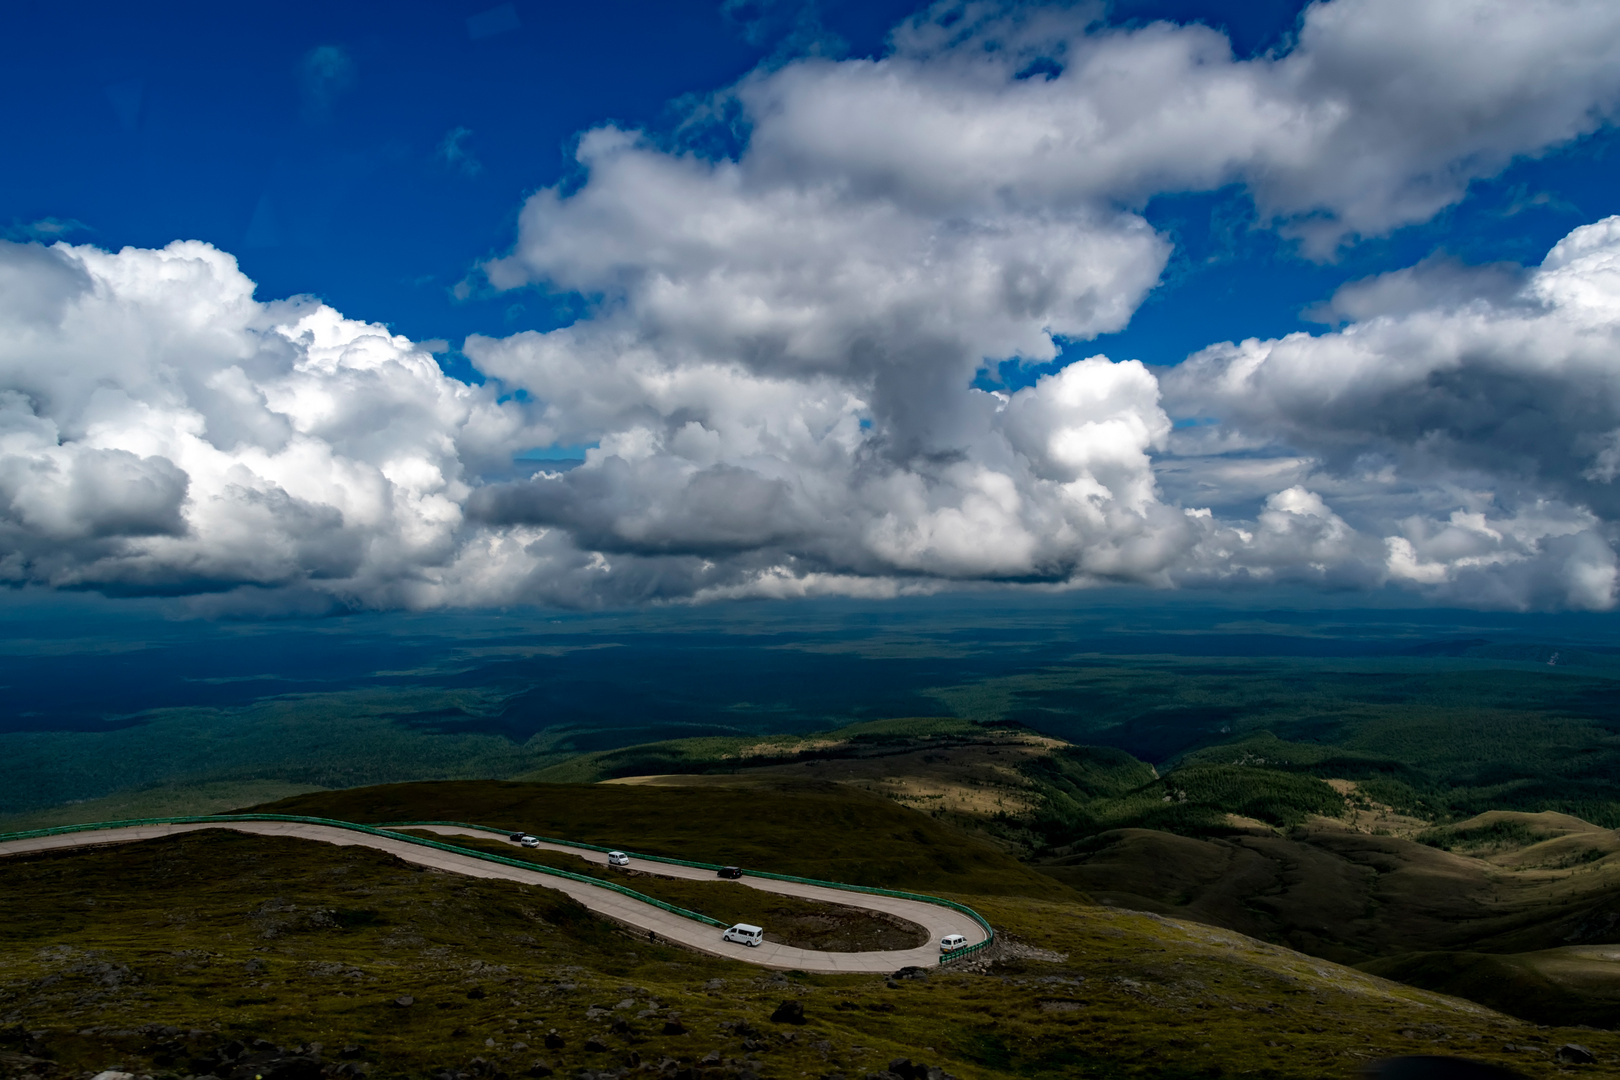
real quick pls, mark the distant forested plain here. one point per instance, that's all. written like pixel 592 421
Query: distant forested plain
pixel 111 711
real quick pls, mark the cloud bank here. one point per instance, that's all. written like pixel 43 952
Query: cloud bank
pixel 776 371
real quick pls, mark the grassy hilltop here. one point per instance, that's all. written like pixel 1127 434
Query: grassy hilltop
pixel 150 956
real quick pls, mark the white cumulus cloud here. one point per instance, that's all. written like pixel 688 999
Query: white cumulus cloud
pixel 779 372
pixel 160 430
pixel 1474 436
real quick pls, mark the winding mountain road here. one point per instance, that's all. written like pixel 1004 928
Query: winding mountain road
pixel 936 918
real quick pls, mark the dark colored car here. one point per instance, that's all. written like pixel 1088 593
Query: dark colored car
pixel 730 872
pixel 515 837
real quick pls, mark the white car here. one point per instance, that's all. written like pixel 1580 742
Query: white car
pixel 743 934
pixel 618 858
pixel 951 942
pixel 530 841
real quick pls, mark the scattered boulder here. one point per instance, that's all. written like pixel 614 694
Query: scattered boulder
pixel 711 1058
pixel 477 993
pixel 789 1012
pixel 674 1027
pixel 593 1045
pixel 114 1074
pixel 539 1068
pixel 911 972
pixel 1574 1054
pixel 554 1041
pixel 404 1001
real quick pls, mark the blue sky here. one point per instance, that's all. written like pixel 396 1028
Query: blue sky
pixel 814 285
pixel 187 122
pixel 210 123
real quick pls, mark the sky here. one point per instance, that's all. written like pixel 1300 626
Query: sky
pixel 315 308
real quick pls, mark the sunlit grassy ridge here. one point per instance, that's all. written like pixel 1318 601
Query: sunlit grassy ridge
pixel 716 753
pixel 1571 985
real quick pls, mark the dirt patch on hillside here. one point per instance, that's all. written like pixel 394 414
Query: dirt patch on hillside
pixel 1368 815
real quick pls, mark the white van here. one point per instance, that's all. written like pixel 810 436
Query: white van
pixel 618 858
pixel 530 841
pixel 744 934
pixel 951 942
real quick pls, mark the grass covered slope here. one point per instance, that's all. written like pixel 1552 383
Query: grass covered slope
pixel 1574 985
pixel 823 831
pixel 1355 896
pixel 153 956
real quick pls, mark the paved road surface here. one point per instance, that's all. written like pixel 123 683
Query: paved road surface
pixel 939 921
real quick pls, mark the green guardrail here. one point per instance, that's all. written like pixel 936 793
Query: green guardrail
pixel 955 954
pixel 220 819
